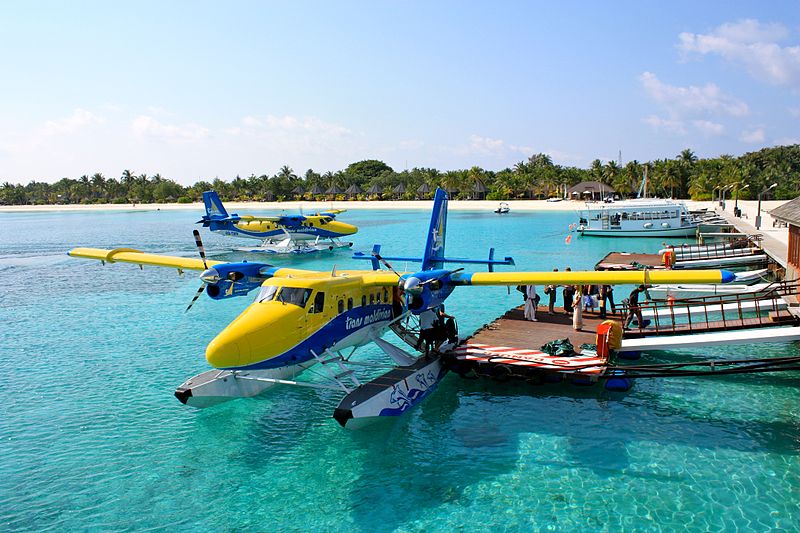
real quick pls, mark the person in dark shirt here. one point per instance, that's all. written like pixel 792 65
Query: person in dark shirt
pixel 569 294
pixel 634 307
pixel 550 290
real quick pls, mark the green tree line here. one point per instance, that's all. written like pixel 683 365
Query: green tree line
pixel 685 176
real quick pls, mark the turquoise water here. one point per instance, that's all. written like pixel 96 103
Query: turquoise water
pixel 91 437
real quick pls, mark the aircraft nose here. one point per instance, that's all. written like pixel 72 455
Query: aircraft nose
pixel 227 350
pixel 345 228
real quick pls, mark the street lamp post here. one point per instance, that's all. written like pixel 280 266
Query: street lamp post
pixel 736 211
pixel 758 216
pixel 722 195
pixel 712 194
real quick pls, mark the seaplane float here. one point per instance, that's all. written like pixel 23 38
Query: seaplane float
pixel 282 234
pixel 302 318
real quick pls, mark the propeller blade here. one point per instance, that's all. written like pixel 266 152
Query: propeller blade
pixel 199 242
pixel 196 296
pixel 385 262
pixel 451 272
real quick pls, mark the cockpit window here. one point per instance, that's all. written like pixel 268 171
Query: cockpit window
pixel 266 294
pixel 294 296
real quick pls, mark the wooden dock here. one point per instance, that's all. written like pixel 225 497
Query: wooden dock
pixel 513 330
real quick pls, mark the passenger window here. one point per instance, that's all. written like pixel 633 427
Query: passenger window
pixel 378 297
pixel 341 306
pixel 371 299
pixel 319 302
pixel 349 304
pixel 385 295
pixel 363 300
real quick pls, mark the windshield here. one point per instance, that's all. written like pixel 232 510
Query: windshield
pixel 291 295
pixel 266 293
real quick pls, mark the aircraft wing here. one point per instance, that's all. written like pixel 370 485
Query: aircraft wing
pixel 129 255
pixel 330 212
pixel 379 278
pixel 251 218
pixel 594 277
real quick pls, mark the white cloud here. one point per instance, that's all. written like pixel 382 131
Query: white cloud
pixel 669 125
pixel 148 127
pixel 753 136
pixel 752 44
pixel 486 145
pixel 692 100
pixel 783 141
pixel 78 119
pixel 708 128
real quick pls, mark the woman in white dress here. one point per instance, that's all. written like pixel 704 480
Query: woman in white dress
pixel 530 303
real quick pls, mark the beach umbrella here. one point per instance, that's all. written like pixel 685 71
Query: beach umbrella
pixel 333 190
pixel 298 190
pixel 316 190
pixel 400 189
pixel 375 189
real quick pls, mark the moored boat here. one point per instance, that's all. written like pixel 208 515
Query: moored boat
pixel 638 218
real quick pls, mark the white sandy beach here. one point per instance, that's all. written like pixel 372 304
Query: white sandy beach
pixel 311 207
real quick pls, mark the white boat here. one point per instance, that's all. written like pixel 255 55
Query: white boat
pixel 638 218
pixel 502 209
pixel 684 291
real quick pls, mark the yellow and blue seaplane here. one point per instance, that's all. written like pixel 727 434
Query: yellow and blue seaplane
pixel 300 318
pixel 282 234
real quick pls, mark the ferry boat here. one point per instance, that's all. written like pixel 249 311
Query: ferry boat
pixel 638 218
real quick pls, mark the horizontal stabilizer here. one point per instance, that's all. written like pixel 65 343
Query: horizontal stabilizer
pixel 396 354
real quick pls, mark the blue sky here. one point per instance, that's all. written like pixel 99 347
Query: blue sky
pixel 203 89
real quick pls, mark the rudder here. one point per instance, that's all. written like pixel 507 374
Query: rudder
pixel 214 204
pixel 434 245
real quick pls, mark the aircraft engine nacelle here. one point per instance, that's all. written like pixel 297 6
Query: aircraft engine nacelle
pixel 234 279
pixel 427 289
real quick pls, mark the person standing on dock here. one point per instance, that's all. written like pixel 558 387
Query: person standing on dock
pixel 606 296
pixel 569 294
pixel 634 307
pixel 550 290
pixel 532 299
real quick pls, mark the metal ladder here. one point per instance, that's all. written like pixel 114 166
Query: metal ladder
pixel 344 371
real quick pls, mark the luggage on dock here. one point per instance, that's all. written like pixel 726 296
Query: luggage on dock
pixel 559 348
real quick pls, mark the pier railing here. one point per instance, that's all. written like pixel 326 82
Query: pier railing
pixel 712 313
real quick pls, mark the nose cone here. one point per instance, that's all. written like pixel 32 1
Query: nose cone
pixel 227 348
pixel 343 228
pixel 262 332
pixel 412 283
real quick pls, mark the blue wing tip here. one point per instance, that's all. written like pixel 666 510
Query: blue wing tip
pixel 727 276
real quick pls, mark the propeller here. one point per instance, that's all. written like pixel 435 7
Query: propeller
pixel 377 256
pixel 414 282
pixel 199 242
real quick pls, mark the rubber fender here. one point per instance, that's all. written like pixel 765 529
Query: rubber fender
pixel 609 337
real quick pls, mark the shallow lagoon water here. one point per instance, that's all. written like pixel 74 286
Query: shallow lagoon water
pixel 92 438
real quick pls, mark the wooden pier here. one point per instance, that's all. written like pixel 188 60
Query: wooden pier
pixel 512 329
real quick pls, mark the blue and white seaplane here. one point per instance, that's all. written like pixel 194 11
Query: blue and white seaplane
pixel 282 234
pixel 302 318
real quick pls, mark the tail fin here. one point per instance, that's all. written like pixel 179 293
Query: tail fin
pixel 214 205
pixel 433 256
